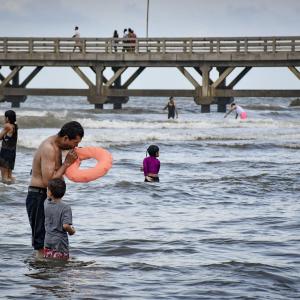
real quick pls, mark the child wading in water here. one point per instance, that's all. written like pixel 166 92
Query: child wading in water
pixel 9 136
pixel 58 221
pixel 239 111
pixel 151 164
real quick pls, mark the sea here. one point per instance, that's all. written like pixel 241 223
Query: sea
pixel 222 223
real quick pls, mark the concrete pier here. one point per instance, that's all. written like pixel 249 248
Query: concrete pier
pixel 225 54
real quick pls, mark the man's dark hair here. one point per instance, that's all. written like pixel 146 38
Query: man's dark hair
pixel 57 187
pixel 71 130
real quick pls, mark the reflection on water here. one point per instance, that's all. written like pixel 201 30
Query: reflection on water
pixel 57 278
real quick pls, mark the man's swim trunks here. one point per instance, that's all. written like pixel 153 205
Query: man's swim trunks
pixel 35 210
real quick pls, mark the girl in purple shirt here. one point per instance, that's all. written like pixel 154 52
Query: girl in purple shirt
pixel 151 164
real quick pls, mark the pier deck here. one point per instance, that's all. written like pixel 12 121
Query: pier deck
pixel 201 54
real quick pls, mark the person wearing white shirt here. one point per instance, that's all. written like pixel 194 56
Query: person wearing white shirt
pixel 76 36
pixel 240 112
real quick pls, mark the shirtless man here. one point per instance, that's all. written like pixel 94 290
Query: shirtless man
pixel 47 164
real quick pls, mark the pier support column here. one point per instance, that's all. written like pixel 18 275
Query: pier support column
pixel 99 83
pixel 117 103
pixel 205 108
pixel 98 106
pixel 16 100
pixel 117 84
pixel 97 98
pixel 15 83
pixel 222 101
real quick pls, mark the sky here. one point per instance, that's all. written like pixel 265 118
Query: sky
pixel 167 18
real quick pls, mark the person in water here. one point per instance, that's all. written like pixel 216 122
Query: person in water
pixel 172 110
pixel 9 137
pixel 151 164
pixel 58 221
pixel 47 164
pixel 240 112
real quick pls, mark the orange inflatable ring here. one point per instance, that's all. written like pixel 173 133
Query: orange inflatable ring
pixel 104 163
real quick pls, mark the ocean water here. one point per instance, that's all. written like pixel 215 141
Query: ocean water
pixel 223 223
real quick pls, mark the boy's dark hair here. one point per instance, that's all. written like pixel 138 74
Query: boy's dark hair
pixel 152 150
pixel 57 187
pixel 232 104
pixel 71 130
pixel 76 28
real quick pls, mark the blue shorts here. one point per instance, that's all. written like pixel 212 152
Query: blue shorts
pixel 35 210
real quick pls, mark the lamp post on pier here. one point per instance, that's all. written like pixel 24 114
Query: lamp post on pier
pixel 147 20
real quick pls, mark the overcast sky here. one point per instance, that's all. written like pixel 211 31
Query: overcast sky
pixel 180 18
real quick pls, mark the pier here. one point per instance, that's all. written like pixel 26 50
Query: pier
pixel 225 54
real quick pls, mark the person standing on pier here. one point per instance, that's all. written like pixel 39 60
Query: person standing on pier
pixel 240 112
pixel 76 36
pixel 9 136
pixel 172 110
pixel 131 40
pixel 125 41
pixel 115 37
pixel 47 164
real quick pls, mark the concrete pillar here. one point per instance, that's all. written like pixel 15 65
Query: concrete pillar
pixel 205 108
pixel 222 101
pixel 117 105
pixel 15 100
pixel 99 80
pixel 98 106
pixel 117 101
pixel 97 97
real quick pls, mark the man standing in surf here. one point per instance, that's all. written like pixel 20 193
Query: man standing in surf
pixel 47 164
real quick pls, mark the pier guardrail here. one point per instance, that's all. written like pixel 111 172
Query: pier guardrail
pixel 153 45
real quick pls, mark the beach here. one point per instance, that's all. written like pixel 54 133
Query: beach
pixel 222 223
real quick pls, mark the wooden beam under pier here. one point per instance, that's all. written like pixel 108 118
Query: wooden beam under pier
pixel 149 93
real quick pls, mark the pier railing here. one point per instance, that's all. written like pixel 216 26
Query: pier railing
pixel 153 45
pixel 232 58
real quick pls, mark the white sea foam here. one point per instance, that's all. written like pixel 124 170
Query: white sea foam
pixel 180 124
pixel 28 113
pixel 31 138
